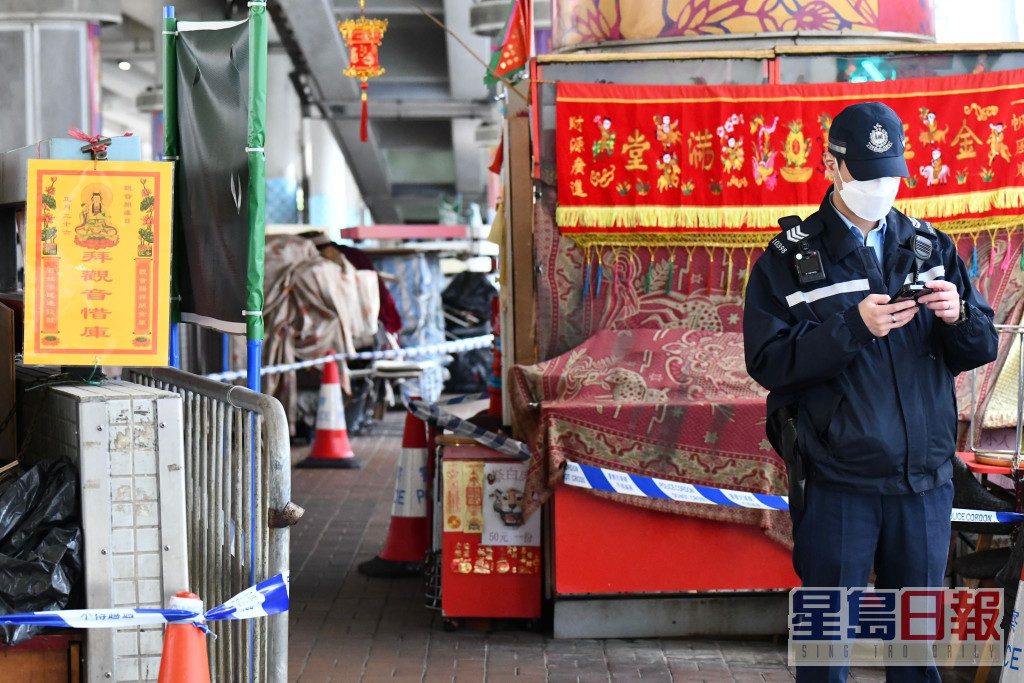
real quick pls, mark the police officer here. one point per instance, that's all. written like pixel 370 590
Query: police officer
pixel 868 383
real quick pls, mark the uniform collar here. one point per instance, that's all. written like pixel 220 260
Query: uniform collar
pixel 841 240
pixel 856 231
pixel 838 237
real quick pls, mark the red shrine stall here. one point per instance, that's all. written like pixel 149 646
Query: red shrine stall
pixel 639 191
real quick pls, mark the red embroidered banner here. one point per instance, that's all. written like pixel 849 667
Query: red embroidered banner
pixel 716 165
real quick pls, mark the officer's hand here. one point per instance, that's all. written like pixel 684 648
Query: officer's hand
pixel 881 317
pixel 944 300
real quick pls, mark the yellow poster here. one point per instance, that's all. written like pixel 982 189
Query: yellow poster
pixel 463 496
pixel 97 263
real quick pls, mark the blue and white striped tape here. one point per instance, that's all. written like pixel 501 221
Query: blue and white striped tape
pixel 442 419
pixel 456 400
pixel 456 346
pixel 613 481
pixel 264 599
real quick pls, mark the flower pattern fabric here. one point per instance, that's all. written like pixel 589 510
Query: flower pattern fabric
pixel 596 21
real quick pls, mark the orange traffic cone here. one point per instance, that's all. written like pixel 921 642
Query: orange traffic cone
pixel 408 536
pixel 330 444
pixel 185 659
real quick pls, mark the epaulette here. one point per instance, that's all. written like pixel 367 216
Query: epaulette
pixel 794 231
pixel 923 228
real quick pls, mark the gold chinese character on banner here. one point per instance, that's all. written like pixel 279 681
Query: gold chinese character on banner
pixel 636 145
pixel 577 188
pixel 576 145
pixel 602 178
pixel 702 154
pixel 576 123
pixel 579 167
pixel 966 138
pixel 981 112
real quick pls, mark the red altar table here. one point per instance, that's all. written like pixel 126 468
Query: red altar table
pixel 604 547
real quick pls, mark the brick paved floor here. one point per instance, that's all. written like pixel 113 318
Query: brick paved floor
pixel 347 628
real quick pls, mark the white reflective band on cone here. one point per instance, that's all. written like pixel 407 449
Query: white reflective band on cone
pixel 331 412
pixel 190 604
pixel 411 484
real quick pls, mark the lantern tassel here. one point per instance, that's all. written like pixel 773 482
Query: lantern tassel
pixel 365 120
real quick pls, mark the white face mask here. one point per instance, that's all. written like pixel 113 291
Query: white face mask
pixel 868 199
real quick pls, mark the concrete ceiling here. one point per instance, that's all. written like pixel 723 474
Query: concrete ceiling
pixel 426 112
pixel 136 40
pixel 423 111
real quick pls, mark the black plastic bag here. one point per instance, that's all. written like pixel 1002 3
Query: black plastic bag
pixel 40 543
pixel 471 292
pixel 470 371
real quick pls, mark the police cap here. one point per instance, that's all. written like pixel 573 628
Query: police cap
pixel 869 136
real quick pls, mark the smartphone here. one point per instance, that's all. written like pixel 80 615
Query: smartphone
pixel 908 292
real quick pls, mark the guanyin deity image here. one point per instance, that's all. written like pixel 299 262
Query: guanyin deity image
pixel 95 230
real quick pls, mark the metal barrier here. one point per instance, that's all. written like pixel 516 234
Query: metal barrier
pixel 238 491
pixel 974 436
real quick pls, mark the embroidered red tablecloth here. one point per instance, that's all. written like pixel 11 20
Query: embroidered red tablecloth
pixel 672 403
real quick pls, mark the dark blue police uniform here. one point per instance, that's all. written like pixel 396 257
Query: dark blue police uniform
pixel 876 417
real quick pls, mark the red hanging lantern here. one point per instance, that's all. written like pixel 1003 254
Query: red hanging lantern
pixel 363 36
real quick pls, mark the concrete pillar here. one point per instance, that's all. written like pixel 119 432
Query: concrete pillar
pixel 50 76
pixel 334 198
pixel 284 140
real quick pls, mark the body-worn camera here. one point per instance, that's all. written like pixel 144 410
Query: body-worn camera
pixel 910 291
pixel 808 266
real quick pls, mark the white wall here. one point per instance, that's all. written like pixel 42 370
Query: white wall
pixel 979 21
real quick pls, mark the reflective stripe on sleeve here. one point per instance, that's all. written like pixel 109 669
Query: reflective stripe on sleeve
pixel 824 292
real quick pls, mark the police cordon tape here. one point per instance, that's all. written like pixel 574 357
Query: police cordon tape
pixel 456 346
pixel 262 600
pixel 442 419
pixel 613 481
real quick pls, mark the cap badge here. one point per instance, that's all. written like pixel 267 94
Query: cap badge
pixel 879 140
